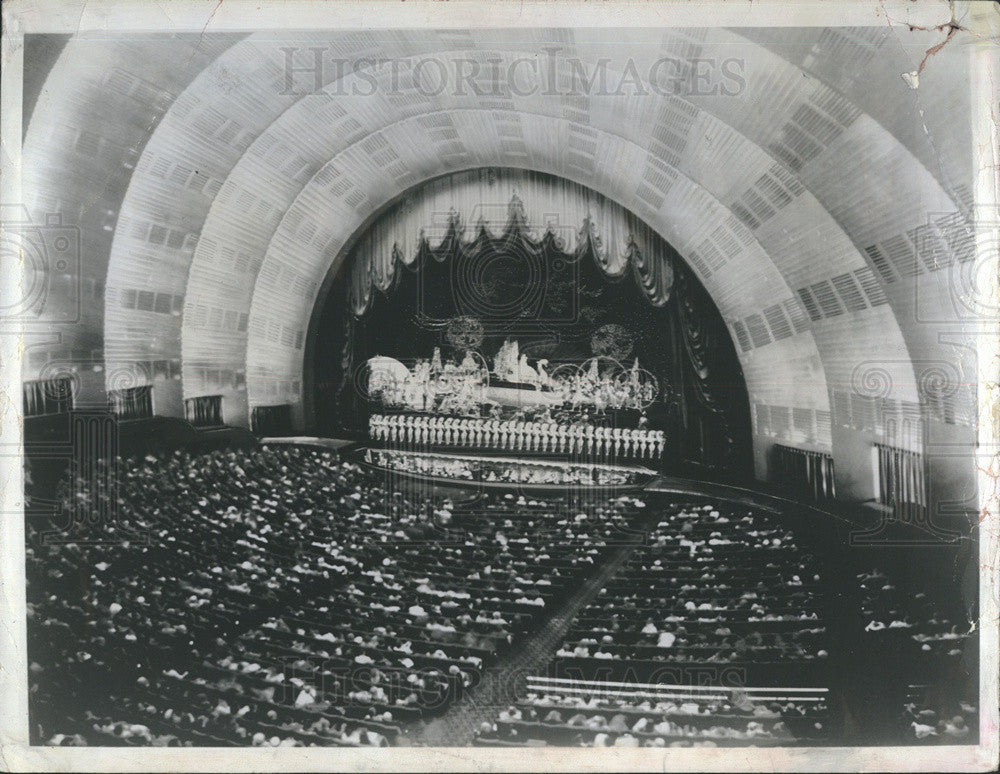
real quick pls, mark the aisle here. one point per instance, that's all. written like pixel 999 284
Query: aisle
pixel 505 680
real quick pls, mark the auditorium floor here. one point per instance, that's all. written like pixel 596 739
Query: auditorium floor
pixel 505 680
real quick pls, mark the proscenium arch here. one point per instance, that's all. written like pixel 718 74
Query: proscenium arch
pixel 552 167
pixel 903 381
pixel 860 227
pixel 331 215
pixel 263 301
pixel 569 210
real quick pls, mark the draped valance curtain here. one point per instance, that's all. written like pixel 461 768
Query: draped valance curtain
pixel 454 213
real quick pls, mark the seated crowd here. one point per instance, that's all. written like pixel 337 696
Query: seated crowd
pixel 888 608
pixel 711 585
pixel 914 628
pixel 283 597
pixel 495 469
pixel 717 587
pixel 595 715
pixel 927 719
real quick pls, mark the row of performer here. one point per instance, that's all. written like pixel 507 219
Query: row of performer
pixel 517 436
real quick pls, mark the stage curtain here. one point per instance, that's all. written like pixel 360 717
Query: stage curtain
pixel 651 260
pixel 47 396
pixel 713 411
pixel 346 394
pixel 204 410
pixel 700 345
pixel 450 214
pixel 361 281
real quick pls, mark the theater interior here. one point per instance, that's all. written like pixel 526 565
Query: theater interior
pixel 420 403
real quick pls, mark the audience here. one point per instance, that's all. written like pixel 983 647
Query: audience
pixel 939 720
pixel 283 597
pixel 887 608
pixel 632 717
pixel 922 638
pixel 711 585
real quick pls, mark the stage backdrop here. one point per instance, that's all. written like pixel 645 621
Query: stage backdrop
pixel 559 268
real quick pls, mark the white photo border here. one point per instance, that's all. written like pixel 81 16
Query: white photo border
pixel 22 17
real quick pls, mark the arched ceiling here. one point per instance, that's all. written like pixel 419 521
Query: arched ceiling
pixel 803 200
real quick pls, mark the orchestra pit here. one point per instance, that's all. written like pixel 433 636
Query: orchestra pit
pixel 498 417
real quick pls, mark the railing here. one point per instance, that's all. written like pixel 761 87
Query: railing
pixel 204 410
pixel 47 396
pixel 660 691
pixel 805 473
pixel 132 402
pixel 902 480
pixel 271 420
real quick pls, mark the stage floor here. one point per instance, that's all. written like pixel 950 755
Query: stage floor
pixel 334 444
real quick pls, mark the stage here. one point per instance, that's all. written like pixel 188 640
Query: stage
pixel 497 472
pixel 333 444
